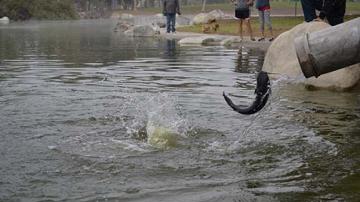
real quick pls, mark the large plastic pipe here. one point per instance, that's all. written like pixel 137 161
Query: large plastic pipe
pixel 329 49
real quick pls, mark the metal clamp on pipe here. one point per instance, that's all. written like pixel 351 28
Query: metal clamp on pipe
pixel 329 49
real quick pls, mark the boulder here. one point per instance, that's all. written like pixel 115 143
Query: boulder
pixel 115 16
pixel 129 32
pixel 181 20
pixel 4 20
pixel 202 18
pixel 218 14
pixel 340 80
pixel 196 40
pixel 281 59
pixel 202 40
pixel 142 30
pixel 123 26
pixel 126 16
pixel 230 41
pixel 159 15
pixel 159 19
pixel 161 24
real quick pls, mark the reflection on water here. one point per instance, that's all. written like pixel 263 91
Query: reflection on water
pixel 76 100
pixel 248 60
pixel 170 48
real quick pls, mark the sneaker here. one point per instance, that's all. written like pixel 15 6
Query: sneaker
pixel 261 39
pixel 271 39
pixel 252 39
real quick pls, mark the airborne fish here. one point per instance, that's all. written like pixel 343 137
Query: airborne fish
pixel 262 92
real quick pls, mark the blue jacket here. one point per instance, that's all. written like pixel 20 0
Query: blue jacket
pixel 261 3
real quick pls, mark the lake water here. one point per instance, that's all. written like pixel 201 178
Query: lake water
pixel 76 100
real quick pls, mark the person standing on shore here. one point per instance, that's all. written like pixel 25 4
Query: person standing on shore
pixel 332 10
pixel 263 7
pixel 242 12
pixel 170 9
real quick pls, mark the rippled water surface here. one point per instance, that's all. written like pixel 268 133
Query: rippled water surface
pixel 76 102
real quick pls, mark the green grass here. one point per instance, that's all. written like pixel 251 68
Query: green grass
pixel 353 6
pixel 230 27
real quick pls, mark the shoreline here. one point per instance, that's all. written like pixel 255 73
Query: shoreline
pixel 263 45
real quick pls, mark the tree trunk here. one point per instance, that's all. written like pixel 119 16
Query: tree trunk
pixel 114 4
pixel 203 6
pixel 135 2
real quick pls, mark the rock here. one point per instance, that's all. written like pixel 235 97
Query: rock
pixel 202 18
pixel 126 16
pixel 123 26
pixel 82 15
pixel 281 59
pixel 230 41
pixel 159 20
pixel 339 80
pixel 4 20
pixel 159 15
pixel 181 20
pixel 132 190
pixel 161 24
pixel 196 40
pixel 218 14
pixel 115 15
pixel 156 28
pixel 142 30
pixel 202 40
pixel 129 32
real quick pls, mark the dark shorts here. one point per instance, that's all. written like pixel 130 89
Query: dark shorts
pixel 242 14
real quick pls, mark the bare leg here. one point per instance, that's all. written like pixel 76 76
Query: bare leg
pixel 240 29
pixel 249 28
pixel 262 22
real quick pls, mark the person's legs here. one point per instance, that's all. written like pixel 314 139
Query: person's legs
pixel 335 20
pixel 262 27
pixel 239 15
pixel 309 10
pixel 337 15
pixel 246 18
pixel 168 23
pixel 173 22
pixel 248 24
pixel 240 28
pixel 267 20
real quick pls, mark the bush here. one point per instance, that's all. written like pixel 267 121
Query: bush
pixel 37 9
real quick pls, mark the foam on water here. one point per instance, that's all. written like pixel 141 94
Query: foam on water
pixel 160 137
pixel 158 117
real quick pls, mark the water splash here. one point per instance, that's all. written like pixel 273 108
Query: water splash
pixel 157 119
pixel 160 137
